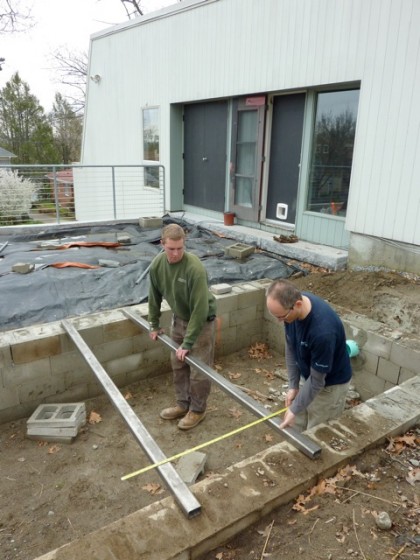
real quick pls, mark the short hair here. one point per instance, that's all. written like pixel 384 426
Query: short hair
pixel 284 292
pixel 172 231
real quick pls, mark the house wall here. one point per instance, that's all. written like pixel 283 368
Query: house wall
pixel 40 364
pixel 201 50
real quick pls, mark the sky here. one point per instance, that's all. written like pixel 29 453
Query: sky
pixel 64 24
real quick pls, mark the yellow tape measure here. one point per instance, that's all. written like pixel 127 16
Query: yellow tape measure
pixel 197 447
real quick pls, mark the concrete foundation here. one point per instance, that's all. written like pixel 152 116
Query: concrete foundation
pixel 41 365
pixel 238 498
pixel 367 252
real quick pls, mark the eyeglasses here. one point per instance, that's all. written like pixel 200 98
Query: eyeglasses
pixel 284 317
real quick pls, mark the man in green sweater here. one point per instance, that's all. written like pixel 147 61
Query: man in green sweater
pixel 181 279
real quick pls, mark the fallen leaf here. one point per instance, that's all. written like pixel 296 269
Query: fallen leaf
pixel 54 449
pixel 219 556
pixel 94 418
pixel 259 351
pixel 153 488
pixel 268 438
pixel 128 396
pixel 234 375
pixel 235 413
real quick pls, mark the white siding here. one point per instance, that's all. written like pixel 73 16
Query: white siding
pixel 224 48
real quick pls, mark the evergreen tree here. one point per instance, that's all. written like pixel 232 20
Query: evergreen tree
pixel 67 130
pixel 24 127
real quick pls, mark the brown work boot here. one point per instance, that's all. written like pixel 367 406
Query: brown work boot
pixel 173 412
pixel 191 420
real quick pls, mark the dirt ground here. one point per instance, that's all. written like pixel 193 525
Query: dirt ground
pixel 53 493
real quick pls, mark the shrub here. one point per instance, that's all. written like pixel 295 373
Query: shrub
pixel 16 195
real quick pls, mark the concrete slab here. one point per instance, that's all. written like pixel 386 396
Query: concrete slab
pixel 191 466
pixel 318 255
pixel 246 491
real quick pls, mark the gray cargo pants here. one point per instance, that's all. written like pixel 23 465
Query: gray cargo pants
pixel 192 388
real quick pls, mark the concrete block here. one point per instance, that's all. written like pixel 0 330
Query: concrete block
pixel 38 390
pixel 23 268
pixel 56 422
pixel 221 288
pixel 108 263
pixel 32 350
pixel 30 373
pixel 113 349
pixel 190 466
pixel 67 415
pixel 388 371
pixel 245 315
pixel 121 329
pixel 405 357
pixel 399 404
pixel 239 250
pixel 123 238
pixel 370 362
pixel 405 375
pixel 151 222
pixel 378 345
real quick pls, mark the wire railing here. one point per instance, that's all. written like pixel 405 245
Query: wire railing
pixel 31 194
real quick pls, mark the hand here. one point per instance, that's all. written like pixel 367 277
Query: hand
pixel 154 334
pixel 290 396
pixel 181 353
pixel 288 419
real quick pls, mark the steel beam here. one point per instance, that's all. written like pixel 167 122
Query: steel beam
pixel 300 441
pixel 175 484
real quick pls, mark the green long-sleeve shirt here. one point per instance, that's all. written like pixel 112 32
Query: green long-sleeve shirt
pixel 184 286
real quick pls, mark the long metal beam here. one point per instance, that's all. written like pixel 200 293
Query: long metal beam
pixel 188 502
pixel 300 441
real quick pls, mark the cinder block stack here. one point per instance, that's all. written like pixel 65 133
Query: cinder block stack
pixel 56 422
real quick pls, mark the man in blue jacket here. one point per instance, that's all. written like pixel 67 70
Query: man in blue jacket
pixel 318 365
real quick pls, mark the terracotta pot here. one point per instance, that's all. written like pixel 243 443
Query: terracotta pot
pixel 229 218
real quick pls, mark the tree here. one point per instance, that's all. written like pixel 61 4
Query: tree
pixel 12 19
pixel 71 67
pixel 24 127
pixel 67 128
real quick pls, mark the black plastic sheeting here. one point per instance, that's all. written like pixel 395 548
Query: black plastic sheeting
pixel 50 294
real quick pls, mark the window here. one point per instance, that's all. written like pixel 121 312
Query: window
pixel 151 145
pixel 332 151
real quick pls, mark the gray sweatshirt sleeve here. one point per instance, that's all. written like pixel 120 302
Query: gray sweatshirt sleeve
pixel 292 370
pixel 308 391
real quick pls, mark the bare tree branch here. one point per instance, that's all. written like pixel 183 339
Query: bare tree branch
pixel 71 67
pixel 14 18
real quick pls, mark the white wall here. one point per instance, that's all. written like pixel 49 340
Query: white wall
pixel 221 48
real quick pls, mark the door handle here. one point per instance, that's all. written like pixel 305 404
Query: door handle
pixel 204 159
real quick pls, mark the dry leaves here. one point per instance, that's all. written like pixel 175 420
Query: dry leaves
pixel 325 486
pixel 94 418
pixel 54 449
pixel 259 351
pixel 153 488
pixel 397 445
pixel 235 413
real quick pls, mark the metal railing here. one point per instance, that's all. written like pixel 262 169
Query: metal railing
pixel 31 194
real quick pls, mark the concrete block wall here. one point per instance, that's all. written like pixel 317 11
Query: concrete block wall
pixel 41 365
pixel 383 361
